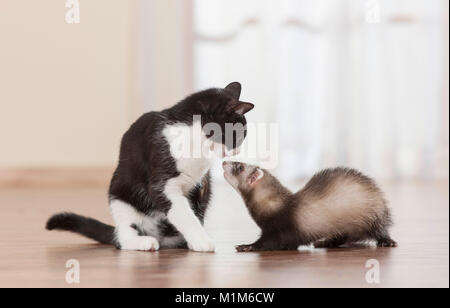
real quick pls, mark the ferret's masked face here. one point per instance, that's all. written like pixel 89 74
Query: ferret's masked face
pixel 241 176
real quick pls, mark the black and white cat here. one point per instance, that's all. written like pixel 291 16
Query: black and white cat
pixel 158 198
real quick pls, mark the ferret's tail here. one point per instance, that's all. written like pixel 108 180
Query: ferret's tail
pixel 85 226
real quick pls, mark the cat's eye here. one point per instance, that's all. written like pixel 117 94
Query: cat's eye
pixel 241 168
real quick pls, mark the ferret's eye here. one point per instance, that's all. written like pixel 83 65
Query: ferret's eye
pixel 238 168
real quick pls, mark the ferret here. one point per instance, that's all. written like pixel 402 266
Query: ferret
pixel 336 207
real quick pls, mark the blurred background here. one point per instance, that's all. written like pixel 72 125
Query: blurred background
pixel 361 83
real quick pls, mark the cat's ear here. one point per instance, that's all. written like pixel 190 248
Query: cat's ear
pixel 242 107
pixel 235 89
pixel 257 175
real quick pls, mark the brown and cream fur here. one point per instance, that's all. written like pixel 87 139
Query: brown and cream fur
pixel 336 207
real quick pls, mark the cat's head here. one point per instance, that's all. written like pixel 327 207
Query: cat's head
pixel 223 117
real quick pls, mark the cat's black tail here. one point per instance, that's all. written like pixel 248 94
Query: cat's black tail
pixel 88 227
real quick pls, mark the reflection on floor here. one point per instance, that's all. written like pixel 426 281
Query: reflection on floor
pixel 31 256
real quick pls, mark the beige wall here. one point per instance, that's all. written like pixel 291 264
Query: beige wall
pixel 165 52
pixel 66 90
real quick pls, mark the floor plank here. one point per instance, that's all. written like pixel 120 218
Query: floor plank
pixel 33 257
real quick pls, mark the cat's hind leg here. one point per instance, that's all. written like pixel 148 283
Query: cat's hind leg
pixel 127 235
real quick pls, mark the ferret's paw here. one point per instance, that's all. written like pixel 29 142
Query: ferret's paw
pixel 244 248
pixel 320 244
pixel 387 243
pixel 202 244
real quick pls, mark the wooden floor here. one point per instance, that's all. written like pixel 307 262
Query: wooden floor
pixel 33 257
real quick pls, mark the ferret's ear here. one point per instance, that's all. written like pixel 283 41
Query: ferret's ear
pixel 242 108
pixel 235 89
pixel 257 175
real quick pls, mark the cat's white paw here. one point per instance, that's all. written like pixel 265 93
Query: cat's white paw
pixel 202 244
pixel 149 243
pixel 141 243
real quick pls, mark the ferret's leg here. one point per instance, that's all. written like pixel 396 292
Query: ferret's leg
pixel 256 246
pixel 385 240
pixel 331 243
pixel 269 243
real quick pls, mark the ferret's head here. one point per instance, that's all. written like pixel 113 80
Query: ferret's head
pixel 241 176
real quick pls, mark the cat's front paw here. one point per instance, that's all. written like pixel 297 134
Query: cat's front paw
pixel 149 243
pixel 202 244
pixel 141 243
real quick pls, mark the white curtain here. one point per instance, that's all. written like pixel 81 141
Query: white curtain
pixel 361 83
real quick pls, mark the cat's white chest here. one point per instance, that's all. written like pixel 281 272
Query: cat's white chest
pixel 196 168
pixel 184 142
pixel 192 171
